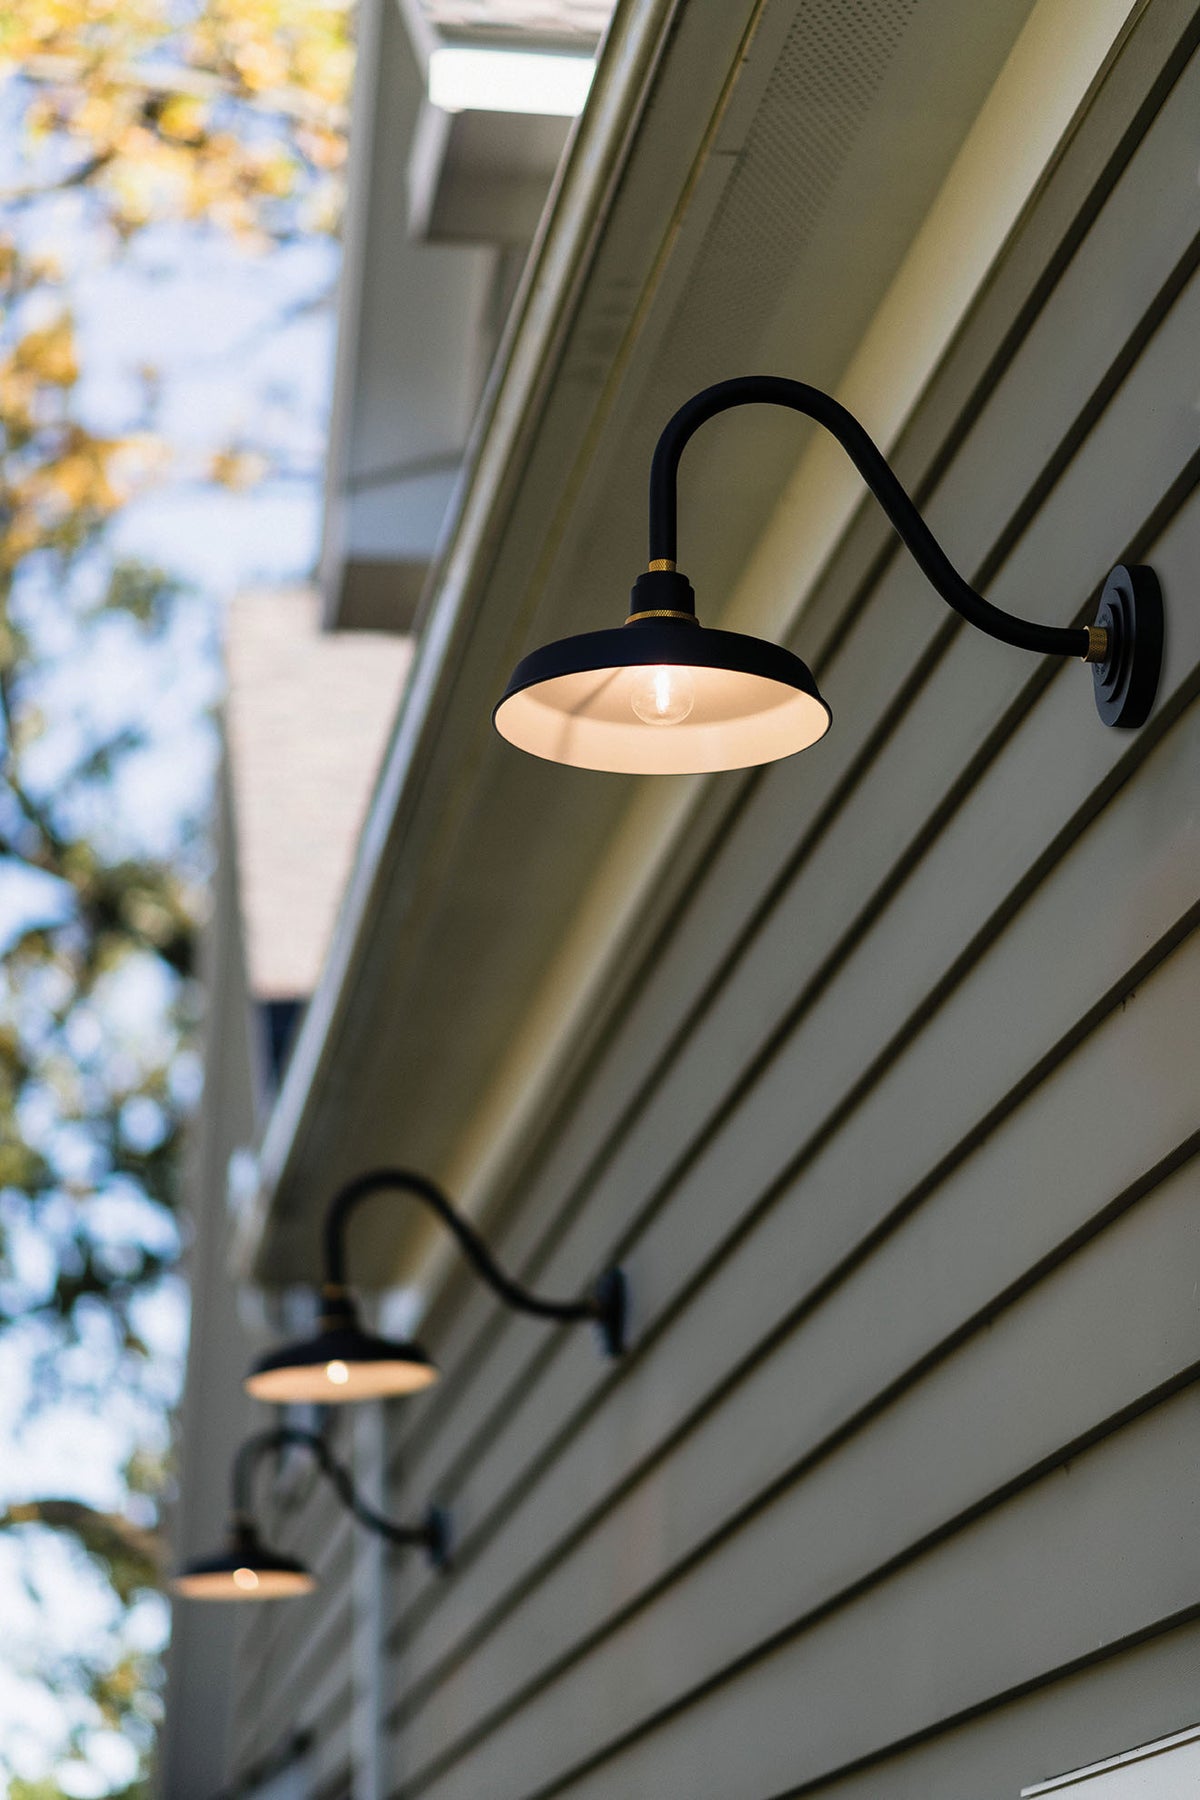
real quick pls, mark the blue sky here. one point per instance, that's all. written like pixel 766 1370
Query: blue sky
pixel 242 346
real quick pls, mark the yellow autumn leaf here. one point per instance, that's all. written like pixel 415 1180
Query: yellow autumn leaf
pixel 183 118
pixel 47 356
pixel 238 470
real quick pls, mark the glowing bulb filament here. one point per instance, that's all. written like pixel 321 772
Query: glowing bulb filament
pixel 338 1373
pixel 663 694
pixel 246 1579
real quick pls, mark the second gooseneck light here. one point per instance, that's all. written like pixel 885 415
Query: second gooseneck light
pixel 343 1361
pixel 663 695
pixel 245 1568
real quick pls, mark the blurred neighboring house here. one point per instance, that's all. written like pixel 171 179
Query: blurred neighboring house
pixel 875 1069
pixel 307 720
pixel 307 716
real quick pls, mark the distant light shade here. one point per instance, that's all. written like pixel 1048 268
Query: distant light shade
pixel 343 1363
pixel 583 701
pixel 244 1570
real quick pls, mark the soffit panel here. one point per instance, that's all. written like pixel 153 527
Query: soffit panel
pixel 572 23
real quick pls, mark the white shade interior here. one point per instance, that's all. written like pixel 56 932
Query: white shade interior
pixel 587 720
pixel 364 1381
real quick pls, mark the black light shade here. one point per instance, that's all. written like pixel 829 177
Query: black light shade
pixel 662 696
pixel 342 1362
pixel 244 1570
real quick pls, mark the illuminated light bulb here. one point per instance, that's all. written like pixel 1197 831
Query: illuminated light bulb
pixel 663 695
pixel 246 1579
pixel 338 1373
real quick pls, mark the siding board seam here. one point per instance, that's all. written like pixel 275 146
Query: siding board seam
pixel 927 1543
pixel 293 1678
pixel 954 1721
pixel 911 1741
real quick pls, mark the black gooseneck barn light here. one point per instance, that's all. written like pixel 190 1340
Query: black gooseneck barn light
pixel 344 1362
pixel 247 1569
pixel 663 695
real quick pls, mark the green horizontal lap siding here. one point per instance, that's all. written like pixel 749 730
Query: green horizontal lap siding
pixel 850 1019
pixel 332 1759
pixel 871 831
pixel 734 1455
pixel 1071 1566
pixel 901 1339
pixel 897 1134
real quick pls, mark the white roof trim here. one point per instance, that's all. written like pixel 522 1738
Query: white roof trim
pixel 1160 1747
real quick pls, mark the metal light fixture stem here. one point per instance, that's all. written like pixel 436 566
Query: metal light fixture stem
pixel 344 1362
pixel 431 1534
pixel 872 465
pixel 597 1307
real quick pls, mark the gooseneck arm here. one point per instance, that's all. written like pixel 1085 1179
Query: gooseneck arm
pixel 430 1534
pixel 604 1306
pixel 868 459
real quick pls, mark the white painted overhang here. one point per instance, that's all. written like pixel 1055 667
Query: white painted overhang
pixel 750 188
pixel 504 82
pixel 413 338
pixel 441 208
pixel 1168 1769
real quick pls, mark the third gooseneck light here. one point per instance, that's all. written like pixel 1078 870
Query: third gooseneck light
pixel 245 1568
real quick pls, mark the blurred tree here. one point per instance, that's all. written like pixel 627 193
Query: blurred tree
pixel 226 116
pixel 232 112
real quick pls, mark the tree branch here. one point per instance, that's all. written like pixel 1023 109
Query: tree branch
pixel 196 84
pixel 27 196
pixel 134 1555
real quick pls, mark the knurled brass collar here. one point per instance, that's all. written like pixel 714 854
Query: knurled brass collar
pixel 662 565
pixel 1097 650
pixel 663 612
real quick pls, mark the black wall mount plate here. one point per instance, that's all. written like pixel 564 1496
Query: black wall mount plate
pixel 1131 611
pixel 438 1538
pixel 611 1297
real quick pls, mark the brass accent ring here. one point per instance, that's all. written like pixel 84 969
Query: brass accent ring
pixel 1097 650
pixel 662 565
pixel 665 612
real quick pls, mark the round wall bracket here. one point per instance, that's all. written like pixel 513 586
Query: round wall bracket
pixel 1131 612
pixel 610 1297
pixel 438 1538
